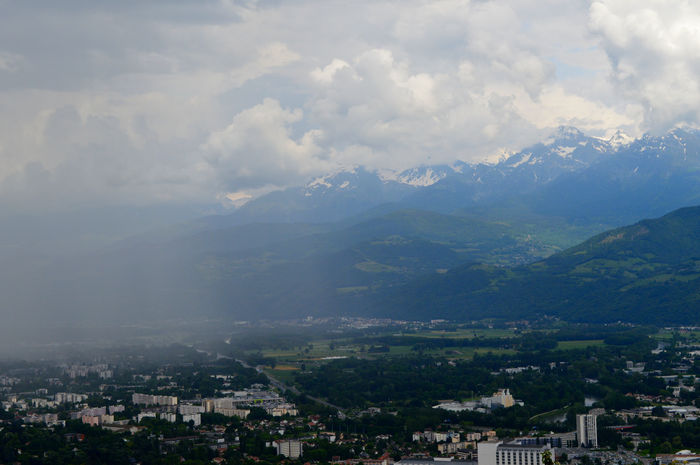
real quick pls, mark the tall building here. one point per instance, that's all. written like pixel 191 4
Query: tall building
pixel 586 431
pixel 487 451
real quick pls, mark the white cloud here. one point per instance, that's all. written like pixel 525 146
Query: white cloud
pixel 326 74
pixel 273 55
pixel 258 148
pixel 190 102
pixel 654 49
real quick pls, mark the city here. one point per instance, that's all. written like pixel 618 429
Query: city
pixel 187 405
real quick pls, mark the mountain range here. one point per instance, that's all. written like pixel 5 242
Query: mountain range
pixel 569 174
pixel 463 241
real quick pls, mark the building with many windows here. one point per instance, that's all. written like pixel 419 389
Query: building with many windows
pixel 290 448
pixel 511 453
pixel 586 431
pixel 521 454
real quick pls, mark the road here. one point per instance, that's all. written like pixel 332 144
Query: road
pixel 283 387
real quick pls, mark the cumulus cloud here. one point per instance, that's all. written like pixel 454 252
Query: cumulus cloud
pixel 144 102
pixel 258 148
pixel 654 49
pixel 325 75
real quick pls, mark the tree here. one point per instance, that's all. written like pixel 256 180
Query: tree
pixel 658 411
pixel 547 458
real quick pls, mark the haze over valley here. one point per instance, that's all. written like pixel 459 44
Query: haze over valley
pixel 410 246
pixel 260 160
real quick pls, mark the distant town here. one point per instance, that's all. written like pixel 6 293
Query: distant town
pixel 183 404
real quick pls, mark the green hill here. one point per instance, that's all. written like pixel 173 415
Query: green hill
pixel 281 270
pixel 646 273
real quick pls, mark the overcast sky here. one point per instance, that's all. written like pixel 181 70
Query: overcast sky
pixel 142 102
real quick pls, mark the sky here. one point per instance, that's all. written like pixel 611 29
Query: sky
pixel 201 101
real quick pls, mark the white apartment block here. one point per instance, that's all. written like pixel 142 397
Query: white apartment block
pixel 147 399
pixel 188 409
pixel 586 431
pixel 69 397
pixel 291 449
pixel 487 451
pixel 116 409
pixel 520 454
pixel 196 418
pixel 233 412
pixel 512 453
pixel 281 410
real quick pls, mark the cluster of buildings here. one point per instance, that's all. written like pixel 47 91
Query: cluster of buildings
pixel 235 403
pixel 292 436
pixel 684 457
pixel 500 399
pixel 18 402
pixel 8 380
pixel 532 450
pixel 452 437
pixel 41 407
pixel 519 451
pixel 49 419
pixel 102 370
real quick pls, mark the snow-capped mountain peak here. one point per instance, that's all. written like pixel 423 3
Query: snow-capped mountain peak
pixel 565 135
pixel 619 139
pixel 536 168
pixel 422 176
pixel 340 179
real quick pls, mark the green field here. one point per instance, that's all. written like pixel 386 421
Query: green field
pixel 321 351
pixel 669 333
pixel 468 333
pixel 286 376
pixel 569 345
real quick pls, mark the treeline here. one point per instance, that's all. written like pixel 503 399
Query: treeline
pixel 38 445
pixel 529 341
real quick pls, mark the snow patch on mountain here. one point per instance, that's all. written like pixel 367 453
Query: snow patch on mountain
pixel 525 157
pixel 319 182
pixel 421 177
pixel 336 179
pixel 564 152
pixel 618 140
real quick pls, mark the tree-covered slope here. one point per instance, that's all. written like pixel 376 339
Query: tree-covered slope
pixel 271 270
pixel 648 273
